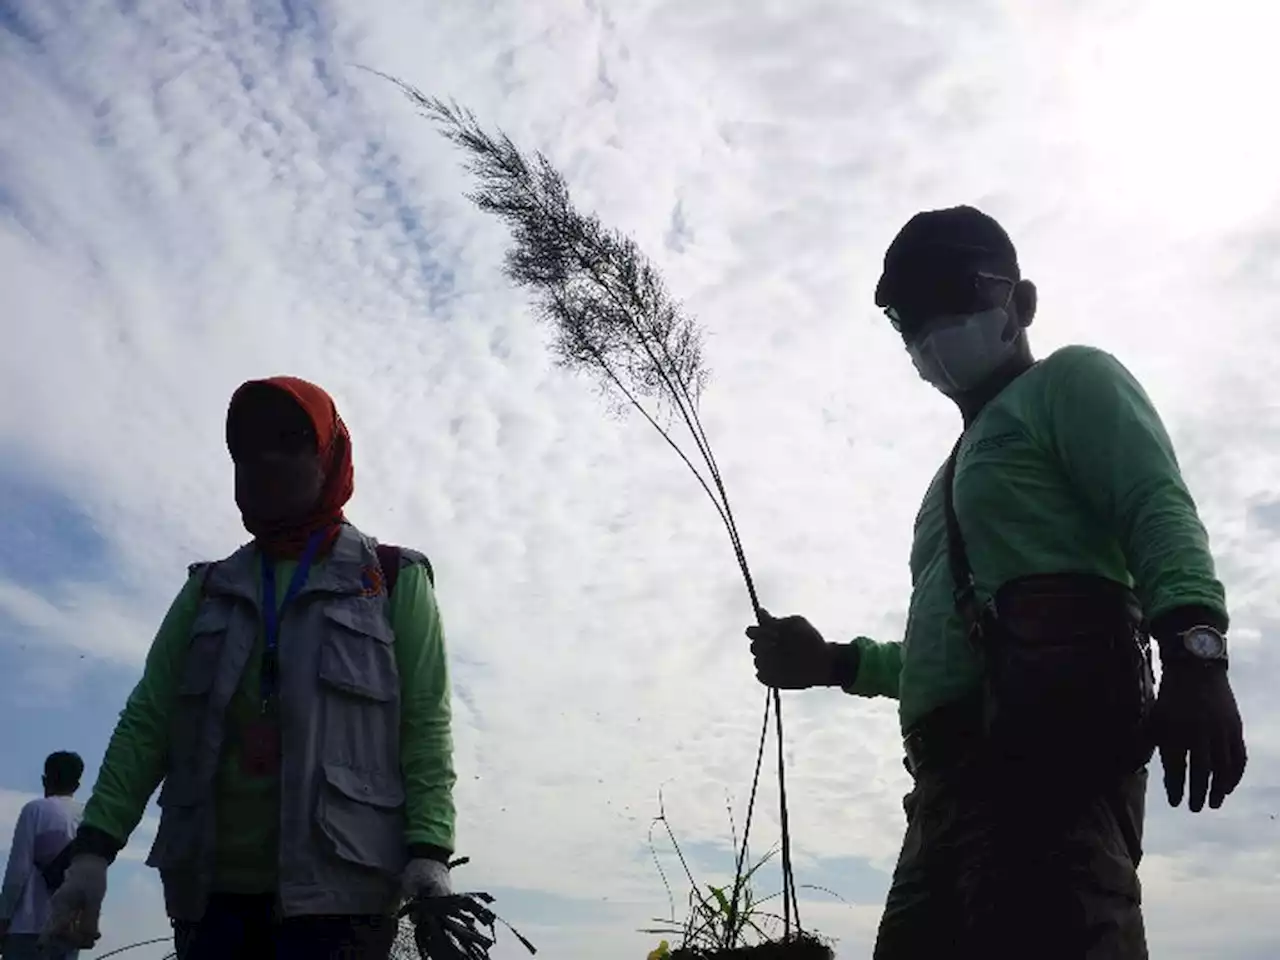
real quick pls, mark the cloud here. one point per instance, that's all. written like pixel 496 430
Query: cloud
pixel 11 804
pixel 193 195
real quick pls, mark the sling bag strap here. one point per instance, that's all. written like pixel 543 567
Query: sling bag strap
pixel 964 592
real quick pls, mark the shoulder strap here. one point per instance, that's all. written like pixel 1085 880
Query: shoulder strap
pixel 391 557
pixel 966 598
pixel 204 569
pixel 389 560
pixel 965 595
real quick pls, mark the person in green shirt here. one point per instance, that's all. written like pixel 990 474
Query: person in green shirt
pixel 296 707
pixel 1051 546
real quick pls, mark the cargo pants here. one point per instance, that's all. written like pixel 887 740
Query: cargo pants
pixel 1001 870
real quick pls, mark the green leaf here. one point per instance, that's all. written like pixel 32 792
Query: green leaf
pixel 721 900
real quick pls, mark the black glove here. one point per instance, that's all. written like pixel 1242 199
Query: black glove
pixel 1196 716
pixel 790 654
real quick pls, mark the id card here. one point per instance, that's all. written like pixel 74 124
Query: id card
pixel 260 747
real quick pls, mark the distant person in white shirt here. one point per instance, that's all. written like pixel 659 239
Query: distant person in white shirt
pixel 45 827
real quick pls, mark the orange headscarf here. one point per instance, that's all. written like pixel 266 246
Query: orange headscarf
pixel 334 446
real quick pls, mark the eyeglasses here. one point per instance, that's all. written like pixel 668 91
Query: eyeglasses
pixel 957 295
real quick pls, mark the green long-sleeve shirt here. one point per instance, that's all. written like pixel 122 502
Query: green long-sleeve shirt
pixel 1069 469
pixel 248 807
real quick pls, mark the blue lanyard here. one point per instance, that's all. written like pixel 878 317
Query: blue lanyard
pixel 271 612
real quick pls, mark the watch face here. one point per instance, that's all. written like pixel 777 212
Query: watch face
pixel 1207 644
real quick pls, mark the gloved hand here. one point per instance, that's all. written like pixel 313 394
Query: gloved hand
pixel 77 905
pixel 1196 716
pixel 425 878
pixel 790 653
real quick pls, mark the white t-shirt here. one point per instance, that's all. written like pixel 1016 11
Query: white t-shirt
pixel 44 827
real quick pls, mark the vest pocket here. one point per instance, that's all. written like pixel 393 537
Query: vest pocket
pixel 357 657
pixel 208 635
pixel 362 815
pixel 360 689
pixel 180 835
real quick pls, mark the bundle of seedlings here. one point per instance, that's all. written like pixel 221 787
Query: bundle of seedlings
pixel 613 320
pixel 713 926
pixel 457 927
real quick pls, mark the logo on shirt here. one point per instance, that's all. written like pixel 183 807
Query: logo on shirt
pixel 997 441
pixel 371 581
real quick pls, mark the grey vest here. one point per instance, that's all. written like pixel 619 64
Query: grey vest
pixel 342 817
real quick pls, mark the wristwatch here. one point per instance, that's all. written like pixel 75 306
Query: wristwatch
pixel 1203 643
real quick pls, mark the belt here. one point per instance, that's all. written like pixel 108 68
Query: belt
pixel 945 737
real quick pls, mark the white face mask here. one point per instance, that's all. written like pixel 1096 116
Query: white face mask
pixel 960 354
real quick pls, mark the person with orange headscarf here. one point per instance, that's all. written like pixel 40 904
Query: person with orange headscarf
pixel 295 705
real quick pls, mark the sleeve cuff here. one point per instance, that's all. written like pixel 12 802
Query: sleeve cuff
pixel 95 842
pixel 1167 628
pixel 429 851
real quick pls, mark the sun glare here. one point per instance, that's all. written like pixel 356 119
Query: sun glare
pixel 1175 109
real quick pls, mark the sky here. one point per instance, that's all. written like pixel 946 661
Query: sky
pixel 195 194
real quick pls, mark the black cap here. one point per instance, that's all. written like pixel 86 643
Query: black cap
pixel 938 243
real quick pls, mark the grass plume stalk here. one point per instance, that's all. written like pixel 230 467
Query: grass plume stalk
pixel 612 319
